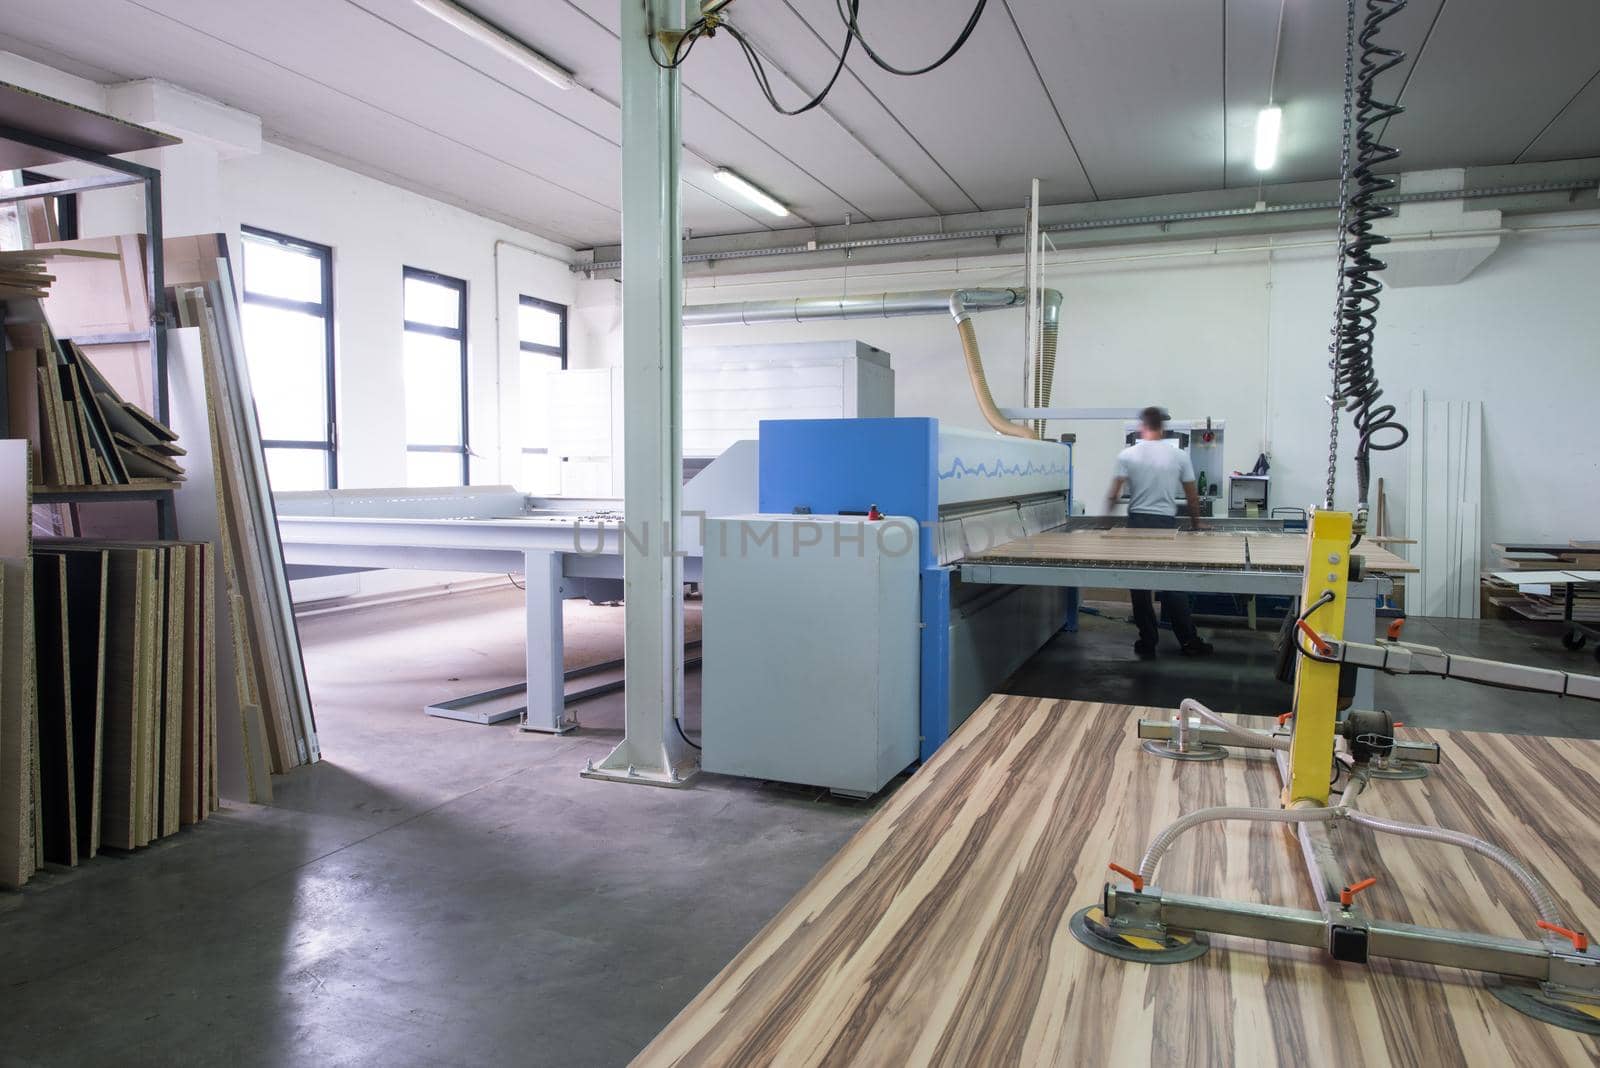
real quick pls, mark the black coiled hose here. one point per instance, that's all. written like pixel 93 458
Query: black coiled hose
pixel 1357 382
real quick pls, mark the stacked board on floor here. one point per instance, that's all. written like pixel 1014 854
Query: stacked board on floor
pixel 127 711
pixel 276 726
pixel 18 746
pixel 1532 596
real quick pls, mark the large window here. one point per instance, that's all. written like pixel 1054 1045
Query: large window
pixel 542 333
pixel 436 380
pixel 288 343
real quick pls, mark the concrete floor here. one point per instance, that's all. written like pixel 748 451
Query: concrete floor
pixel 441 893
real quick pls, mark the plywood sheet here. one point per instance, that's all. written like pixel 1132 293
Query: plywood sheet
pixel 938 934
pixel 1092 548
pixel 86 615
pixel 18 853
pixel 58 817
pixel 1203 550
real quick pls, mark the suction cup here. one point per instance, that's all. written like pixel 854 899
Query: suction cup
pixel 1196 751
pixel 1532 1000
pixel 1140 945
pixel 1398 770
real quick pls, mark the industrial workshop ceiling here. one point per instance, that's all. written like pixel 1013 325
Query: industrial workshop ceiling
pixel 1100 99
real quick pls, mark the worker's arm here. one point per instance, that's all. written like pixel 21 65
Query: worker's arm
pixel 1115 495
pixel 1191 491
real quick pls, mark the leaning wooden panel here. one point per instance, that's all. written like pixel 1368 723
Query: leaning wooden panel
pixel 86 614
pixel 173 682
pixel 938 935
pixel 58 819
pixel 123 701
pixel 191 746
pixel 18 856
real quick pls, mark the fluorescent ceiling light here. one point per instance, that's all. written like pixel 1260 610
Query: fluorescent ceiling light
pixel 1268 125
pixel 754 194
pixel 496 39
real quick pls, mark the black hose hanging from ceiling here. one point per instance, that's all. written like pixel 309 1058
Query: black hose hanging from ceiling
pixel 1357 383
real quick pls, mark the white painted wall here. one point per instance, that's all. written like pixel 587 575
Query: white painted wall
pixel 375 231
pixel 1238 331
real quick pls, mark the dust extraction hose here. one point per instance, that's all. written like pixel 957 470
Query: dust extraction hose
pixel 980 384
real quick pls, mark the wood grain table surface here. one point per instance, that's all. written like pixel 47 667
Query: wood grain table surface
pixel 1206 550
pixel 938 934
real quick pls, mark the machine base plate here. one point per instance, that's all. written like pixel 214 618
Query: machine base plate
pixel 1202 751
pixel 1089 926
pixel 1529 1000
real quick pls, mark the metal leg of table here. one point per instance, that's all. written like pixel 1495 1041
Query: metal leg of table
pixel 546 690
pixel 1361 625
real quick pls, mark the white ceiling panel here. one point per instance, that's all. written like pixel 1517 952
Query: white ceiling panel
pixel 1100 99
pixel 1136 83
pixel 811 162
pixel 1571 133
pixel 1493 74
pixel 1310 87
pixel 984 115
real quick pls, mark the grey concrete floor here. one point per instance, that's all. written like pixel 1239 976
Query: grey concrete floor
pixel 432 892
pixel 441 893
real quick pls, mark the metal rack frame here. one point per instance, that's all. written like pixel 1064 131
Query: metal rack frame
pixel 125 173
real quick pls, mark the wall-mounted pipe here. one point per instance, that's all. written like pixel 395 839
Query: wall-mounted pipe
pixel 959 304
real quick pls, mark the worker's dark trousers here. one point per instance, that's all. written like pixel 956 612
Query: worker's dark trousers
pixel 1175 606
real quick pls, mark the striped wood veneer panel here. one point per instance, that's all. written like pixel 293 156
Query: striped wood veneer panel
pixel 938 935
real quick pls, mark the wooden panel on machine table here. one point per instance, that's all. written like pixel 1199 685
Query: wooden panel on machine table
pixel 938 934
pixel 1203 550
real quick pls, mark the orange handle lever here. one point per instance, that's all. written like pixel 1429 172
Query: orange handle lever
pixel 1347 896
pixel 1394 629
pixel 1132 876
pixel 1309 631
pixel 1285 718
pixel 1579 940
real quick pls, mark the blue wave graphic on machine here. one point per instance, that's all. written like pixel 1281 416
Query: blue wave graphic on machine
pixel 959 468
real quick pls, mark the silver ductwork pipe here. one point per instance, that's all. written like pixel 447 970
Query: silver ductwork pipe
pixel 960 304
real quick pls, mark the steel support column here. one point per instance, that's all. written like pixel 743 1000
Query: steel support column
pixel 546 670
pixel 652 750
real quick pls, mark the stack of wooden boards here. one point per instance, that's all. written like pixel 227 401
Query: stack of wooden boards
pixel 85 434
pixel 108 723
pixel 1535 597
pixel 276 726
pixel 23 275
pixel 140 679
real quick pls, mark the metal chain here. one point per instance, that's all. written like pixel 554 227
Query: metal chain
pixel 1335 400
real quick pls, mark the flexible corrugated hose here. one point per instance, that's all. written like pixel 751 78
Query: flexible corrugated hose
pixel 980 384
pixel 1048 337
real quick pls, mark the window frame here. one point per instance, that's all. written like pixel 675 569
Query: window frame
pixel 324 310
pixel 65 205
pixel 457 334
pixel 559 351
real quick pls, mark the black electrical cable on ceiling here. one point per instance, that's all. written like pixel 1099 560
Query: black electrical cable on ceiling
pixel 849 11
pixel 758 68
pixel 1376 426
pixel 966 32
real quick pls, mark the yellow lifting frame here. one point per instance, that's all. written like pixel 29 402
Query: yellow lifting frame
pixel 1316 685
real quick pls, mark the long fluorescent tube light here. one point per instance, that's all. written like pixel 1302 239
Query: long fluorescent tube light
pixel 1268 125
pixel 498 40
pixel 754 194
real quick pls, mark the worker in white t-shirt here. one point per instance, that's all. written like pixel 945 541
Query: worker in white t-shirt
pixel 1154 474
